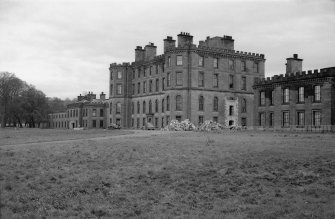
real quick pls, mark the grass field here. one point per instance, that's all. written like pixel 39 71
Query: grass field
pixel 154 174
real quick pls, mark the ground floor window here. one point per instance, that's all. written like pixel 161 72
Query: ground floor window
pixel 261 119
pixel 271 123
pixel 143 124
pixel 301 119
pixel 94 123
pixel 201 119
pixel 286 119
pixel 132 123
pixel 138 123
pixel 101 123
pixel 156 122
pixel 243 122
pixel 162 122
pixel 178 118
pixel 316 118
pixel 215 119
pixel 167 120
pixel 118 122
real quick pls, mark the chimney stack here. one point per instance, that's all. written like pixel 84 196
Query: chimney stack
pixel 102 96
pixel 294 64
pixel 169 42
pixel 150 51
pixel 184 39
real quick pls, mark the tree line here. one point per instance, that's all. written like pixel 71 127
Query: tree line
pixel 23 105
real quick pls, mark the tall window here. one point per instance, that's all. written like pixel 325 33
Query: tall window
pixel 144 71
pixel 169 61
pixel 244 83
pixel 231 81
pixel 150 106
pixel 317 93
pixel 215 80
pixel 201 79
pixel 301 95
pixel 119 89
pixel 144 107
pixel 215 104
pixel 215 63
pixel 255 67
pixel 111 90
pixel 231 110
pixel 156 106
pixel 157 69
pixel 163 83
pixel 168 79
pixel 179 60
pixel 139 87
pixel 157 85
pixel 179 103
pixel 272 97
pixel 101 112
pixel 316 118
pixel 286 95
pixel 132 107
pixel 243 66
pixel 300 119
pixel 201 103
pixel 179 78
pixel 168 103
pixel 119 75
pixel 163 103
pixel 243 122
pixel 150 70
pixel 94 112
pixel 286 119
pixel 201 119
pixel 231 64
pixel 201 61
pixel 262 98
pixel 111 75
pixel 244 106
pixel 139 72
pixel 261 121
pixel 138 107
pixel 118 108
pixel 144 87
pixel 271 122
pixel 133 89
pixel 150 86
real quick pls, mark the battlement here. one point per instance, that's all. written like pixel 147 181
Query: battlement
pixel 232 52
pixel 310 74
pixel 124 64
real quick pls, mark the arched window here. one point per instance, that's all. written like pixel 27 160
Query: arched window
pixel 167 103
pixel 215 104
pixel 244 105
pixel 156 106
pixel 179 103
pixel 201 103
pixel 150 106
pixel 132 107
pixel 144 109
pixel 118 108
pixel 163 102
pixel 138 107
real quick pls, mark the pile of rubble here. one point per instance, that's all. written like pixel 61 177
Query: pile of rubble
pixel 185 125
pixel 210 125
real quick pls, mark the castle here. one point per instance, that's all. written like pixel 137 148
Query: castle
pixel 208 81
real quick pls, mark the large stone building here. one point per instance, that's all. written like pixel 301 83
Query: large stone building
pixel 198 82
pixel 298 100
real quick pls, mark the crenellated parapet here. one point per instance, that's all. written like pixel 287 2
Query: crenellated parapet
pixel 297 76
pixel 124 64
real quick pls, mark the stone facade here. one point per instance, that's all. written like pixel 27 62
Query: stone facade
pixel 297 100
pixel 198 82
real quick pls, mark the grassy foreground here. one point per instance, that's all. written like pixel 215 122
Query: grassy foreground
pixel 151 174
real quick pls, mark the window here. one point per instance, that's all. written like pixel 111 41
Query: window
pixel 167 103
pixel 132 107
pixel 157 69
pixel 215 104
pixel 111 75
pixel 231 65
pixel 231 110
pixel 139 87
pixel 163 67
pixel 118 108
pixel 169 61
pixel 178 118
pixel 244 105
pixel 168 79
pixel 150 86
pixel 261 120
pixel 150 70
pixel 201 79
pixel 163 83
pixel 215 80
pixel 201 120
pixel 244 83
pixel 139 72
pixel 94 112
pixel 94 123
pixel 301 95
pixel 243 66
pixel 111 90
pixel 300 119
pixel 272 97
pixel 179 103
pixel 255 67
pixel 286 119
pixel 101 123
pixel 119 75
pixel 157 85
pixel 317 93
pixel 144 71
pixel 162 124
pixel 156 122
pixel 215 63
pixel 201 103
pixel 179 78
pixel 286 95
pixel 133 89
pixel 143 122
pixel 271 122
pixel 138 123
pixel 150 106
pixel 179 60
pixel 163 102
pixel 231 81
pixel 215 119
pixel 101 112
pixel 201 61
pixel 132 123
pixel 167 120
pixel 144 87
pixel 138 107
pixel 316 118
pixel 262 98
pixel 143 108
pixel 243 122
pixel 156 106
pixel 119 89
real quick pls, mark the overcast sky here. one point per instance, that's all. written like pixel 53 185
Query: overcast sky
pixel 65 47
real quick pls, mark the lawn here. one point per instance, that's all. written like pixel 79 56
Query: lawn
pixel 150 174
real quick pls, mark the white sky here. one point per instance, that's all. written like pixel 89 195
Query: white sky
pixel 65 47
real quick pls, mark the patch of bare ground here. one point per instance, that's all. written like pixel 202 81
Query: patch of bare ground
pixel 171 174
